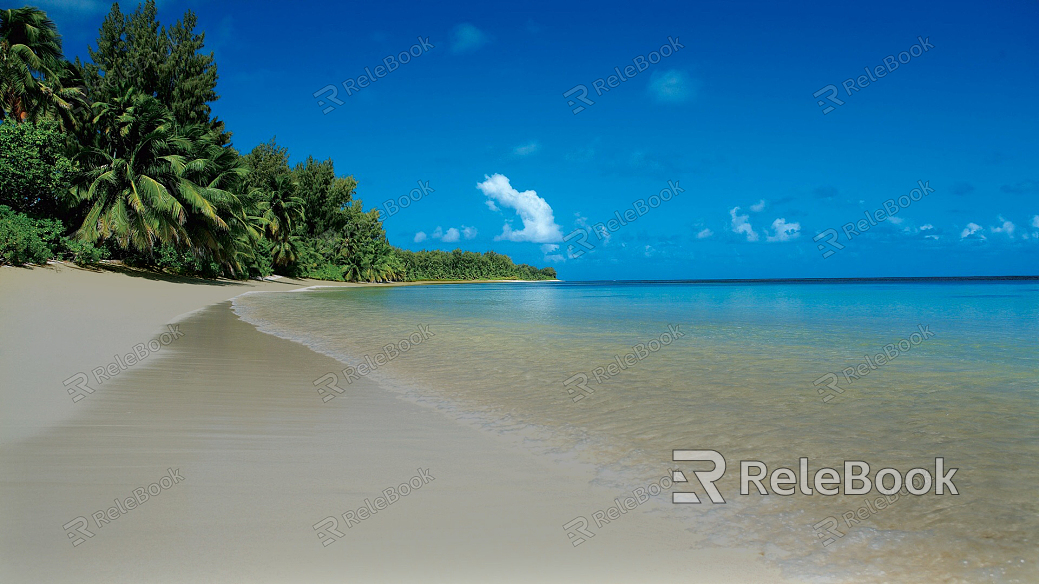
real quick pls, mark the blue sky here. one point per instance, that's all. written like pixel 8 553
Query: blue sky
pixel 729 116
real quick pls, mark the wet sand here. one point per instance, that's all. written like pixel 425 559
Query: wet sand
pixel 263 459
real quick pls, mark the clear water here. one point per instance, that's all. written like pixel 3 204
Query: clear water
pixel 740 381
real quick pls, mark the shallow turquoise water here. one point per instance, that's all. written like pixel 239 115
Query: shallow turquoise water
pixel 740 380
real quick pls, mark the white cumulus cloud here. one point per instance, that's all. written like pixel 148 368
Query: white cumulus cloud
pixel 539 224
pixel 451 235
pixel 741 224
pixel 1035 221
pixel 972 229
pixel 1007 227
pixel 759 207
pixel 783 231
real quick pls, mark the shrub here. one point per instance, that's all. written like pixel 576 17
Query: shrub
pixel 83 253
pixel 326 272
pixel 24 240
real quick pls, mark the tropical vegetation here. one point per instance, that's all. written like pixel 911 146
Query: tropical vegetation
pixel 121 158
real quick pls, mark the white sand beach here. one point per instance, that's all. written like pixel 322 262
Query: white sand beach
pixel 234 413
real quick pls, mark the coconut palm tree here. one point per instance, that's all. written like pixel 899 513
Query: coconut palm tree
pixel 215 174
pixel 129 179
pixel 35 79
pixel 284 206
pixel 282 214
pixel 145 181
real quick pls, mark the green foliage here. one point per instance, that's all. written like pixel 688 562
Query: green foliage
pixel 82 252
pixel 165 63
pixel 260 264
pixel 170 259
pixel 35 80
pixel 142 173
pixel 330 272
pixel 148 181
pixel 266 163
pixel 34 172
pixel 24 240
pixel 324 195
pixel 467 265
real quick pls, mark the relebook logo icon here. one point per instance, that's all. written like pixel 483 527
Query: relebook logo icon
pixel 857 479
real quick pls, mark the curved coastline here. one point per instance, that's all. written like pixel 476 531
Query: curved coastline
pixel 248 437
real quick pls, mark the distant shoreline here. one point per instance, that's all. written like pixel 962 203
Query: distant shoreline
pixel 884 279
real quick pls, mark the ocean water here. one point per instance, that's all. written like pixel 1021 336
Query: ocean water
pixel 740 374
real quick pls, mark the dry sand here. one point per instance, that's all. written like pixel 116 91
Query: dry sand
pixel 263 459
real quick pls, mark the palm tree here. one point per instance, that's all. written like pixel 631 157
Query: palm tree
pixel 128 177
pixel 33 73
pixel 146 182
pixel 282 213
pixel 211 176
pixel 284 206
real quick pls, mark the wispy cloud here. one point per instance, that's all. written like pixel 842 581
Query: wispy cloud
pixel 1021 188
pixel 539 224
pixel 704 234
pixel 825 192
pixel 758 207
pixel 467 38
pixel 672 87
pixel 420 237
pixel 527 149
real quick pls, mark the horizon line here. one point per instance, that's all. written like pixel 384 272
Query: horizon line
pixel 817 280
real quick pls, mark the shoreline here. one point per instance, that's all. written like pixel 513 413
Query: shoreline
pixel 68 320
pixel 49 361
pixel 263 461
